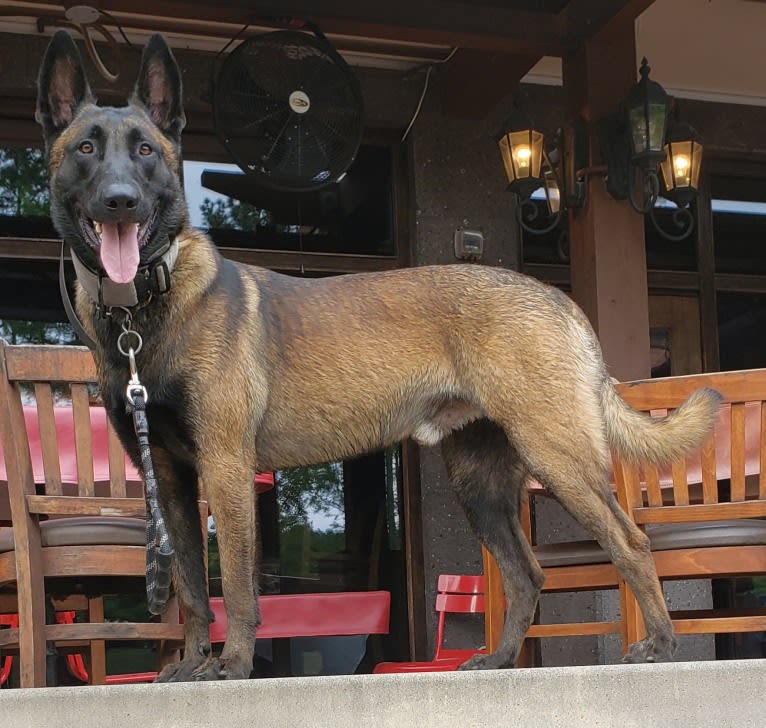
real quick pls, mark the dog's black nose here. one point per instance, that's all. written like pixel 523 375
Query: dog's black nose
pixel 120 198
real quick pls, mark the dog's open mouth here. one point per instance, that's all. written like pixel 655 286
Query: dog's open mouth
pixel 118 244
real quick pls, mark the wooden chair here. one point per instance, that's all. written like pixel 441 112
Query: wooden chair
pixel 66 537
pixel 702 513
pixel 568 567
pixel 455 594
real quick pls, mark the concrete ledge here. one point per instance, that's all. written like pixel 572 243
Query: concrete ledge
pixel 715 694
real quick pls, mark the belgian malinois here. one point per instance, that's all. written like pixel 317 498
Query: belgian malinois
pixel 247 368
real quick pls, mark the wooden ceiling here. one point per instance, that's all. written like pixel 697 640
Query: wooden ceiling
pixel 489 45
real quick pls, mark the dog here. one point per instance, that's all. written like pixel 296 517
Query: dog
pixel 248 368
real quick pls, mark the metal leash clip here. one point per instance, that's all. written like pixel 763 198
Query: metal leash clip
pixel 134 387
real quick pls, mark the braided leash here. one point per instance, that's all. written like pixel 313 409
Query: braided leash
pixel 159 552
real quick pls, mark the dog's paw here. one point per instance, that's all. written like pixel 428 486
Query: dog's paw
pixel 485 662
pixel 651 649
pixel 182 671
pixel 217 668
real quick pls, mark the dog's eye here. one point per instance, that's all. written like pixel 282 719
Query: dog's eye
pixel 86 147
pixel 145 149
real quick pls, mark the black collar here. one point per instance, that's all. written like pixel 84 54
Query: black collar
pixel 150 279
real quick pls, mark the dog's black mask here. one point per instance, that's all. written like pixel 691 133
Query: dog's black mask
pixel 115 191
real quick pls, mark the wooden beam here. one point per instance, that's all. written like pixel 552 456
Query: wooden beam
pixel 597 20
pixel 473 82
pixel 703 212
pixel 452 23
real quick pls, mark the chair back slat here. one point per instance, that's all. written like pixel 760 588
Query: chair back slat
pixel 762 454
pixel 49 364
pixel 653 490
pixel 48 441
pixel 83 440
pixel 116 462
pixel 629 491
pixel 737 442
pixel 708 468
pixel 461 583
pixel 680 482
pixel 460 603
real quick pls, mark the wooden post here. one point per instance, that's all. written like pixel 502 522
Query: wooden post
pixel 608 258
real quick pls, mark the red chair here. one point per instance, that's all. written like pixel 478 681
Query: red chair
pixel 455 594
pixel 11 621
pixel 75 662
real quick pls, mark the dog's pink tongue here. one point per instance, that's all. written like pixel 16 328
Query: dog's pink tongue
pixel 119 250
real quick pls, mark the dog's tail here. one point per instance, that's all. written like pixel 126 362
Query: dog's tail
pixel 639 438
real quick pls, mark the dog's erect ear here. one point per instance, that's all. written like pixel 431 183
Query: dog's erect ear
pixel 61 86
pixel 159 88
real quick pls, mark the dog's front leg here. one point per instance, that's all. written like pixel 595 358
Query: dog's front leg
pixel 231 491
pixel 179 494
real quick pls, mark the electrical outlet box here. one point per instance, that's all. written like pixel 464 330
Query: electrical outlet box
pixel 469 244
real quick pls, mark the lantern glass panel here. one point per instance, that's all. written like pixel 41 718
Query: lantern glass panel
pixel 677 165
pixel 696 164
pixel 681 166
pixel 522 153
pixel 657 114
pixel 552 192
pixel 647 126
pixel 505 153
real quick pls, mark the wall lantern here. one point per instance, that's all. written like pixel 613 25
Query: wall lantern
pixel 637 142
pixel 681 166
pixel 550 171
pixel 646 109
pixel 521 148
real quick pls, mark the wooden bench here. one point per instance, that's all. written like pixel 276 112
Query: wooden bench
pixel 287 616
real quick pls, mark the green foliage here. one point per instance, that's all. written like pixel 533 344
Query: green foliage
pixel 309 493
pixel 232 214
pixel 36 332
pixel 311 519
pixel 213 556
pixel 23 182
pixel 126 608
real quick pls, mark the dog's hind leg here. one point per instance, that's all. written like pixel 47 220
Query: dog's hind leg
pixel 178 495
pixel 573 471
pixel 486 473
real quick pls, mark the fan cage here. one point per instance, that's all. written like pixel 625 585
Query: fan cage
pixel 303 146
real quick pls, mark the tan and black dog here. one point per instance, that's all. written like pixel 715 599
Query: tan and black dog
pixel 247 368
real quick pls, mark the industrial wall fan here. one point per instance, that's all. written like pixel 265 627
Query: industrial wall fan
pixel 289 110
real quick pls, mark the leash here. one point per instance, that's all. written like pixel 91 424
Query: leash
pixel 159 551
pixel 71 314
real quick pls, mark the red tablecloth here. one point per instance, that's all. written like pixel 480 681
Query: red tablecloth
pixel 68 458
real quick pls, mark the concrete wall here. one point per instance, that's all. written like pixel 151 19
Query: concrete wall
pixel 701 694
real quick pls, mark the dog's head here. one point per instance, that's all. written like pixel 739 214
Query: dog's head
pixel 116 194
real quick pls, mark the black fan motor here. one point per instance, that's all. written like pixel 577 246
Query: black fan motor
pixel 289 110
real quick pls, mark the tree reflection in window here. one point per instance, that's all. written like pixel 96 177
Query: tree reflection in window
pixel 23 183
pixel 311 517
